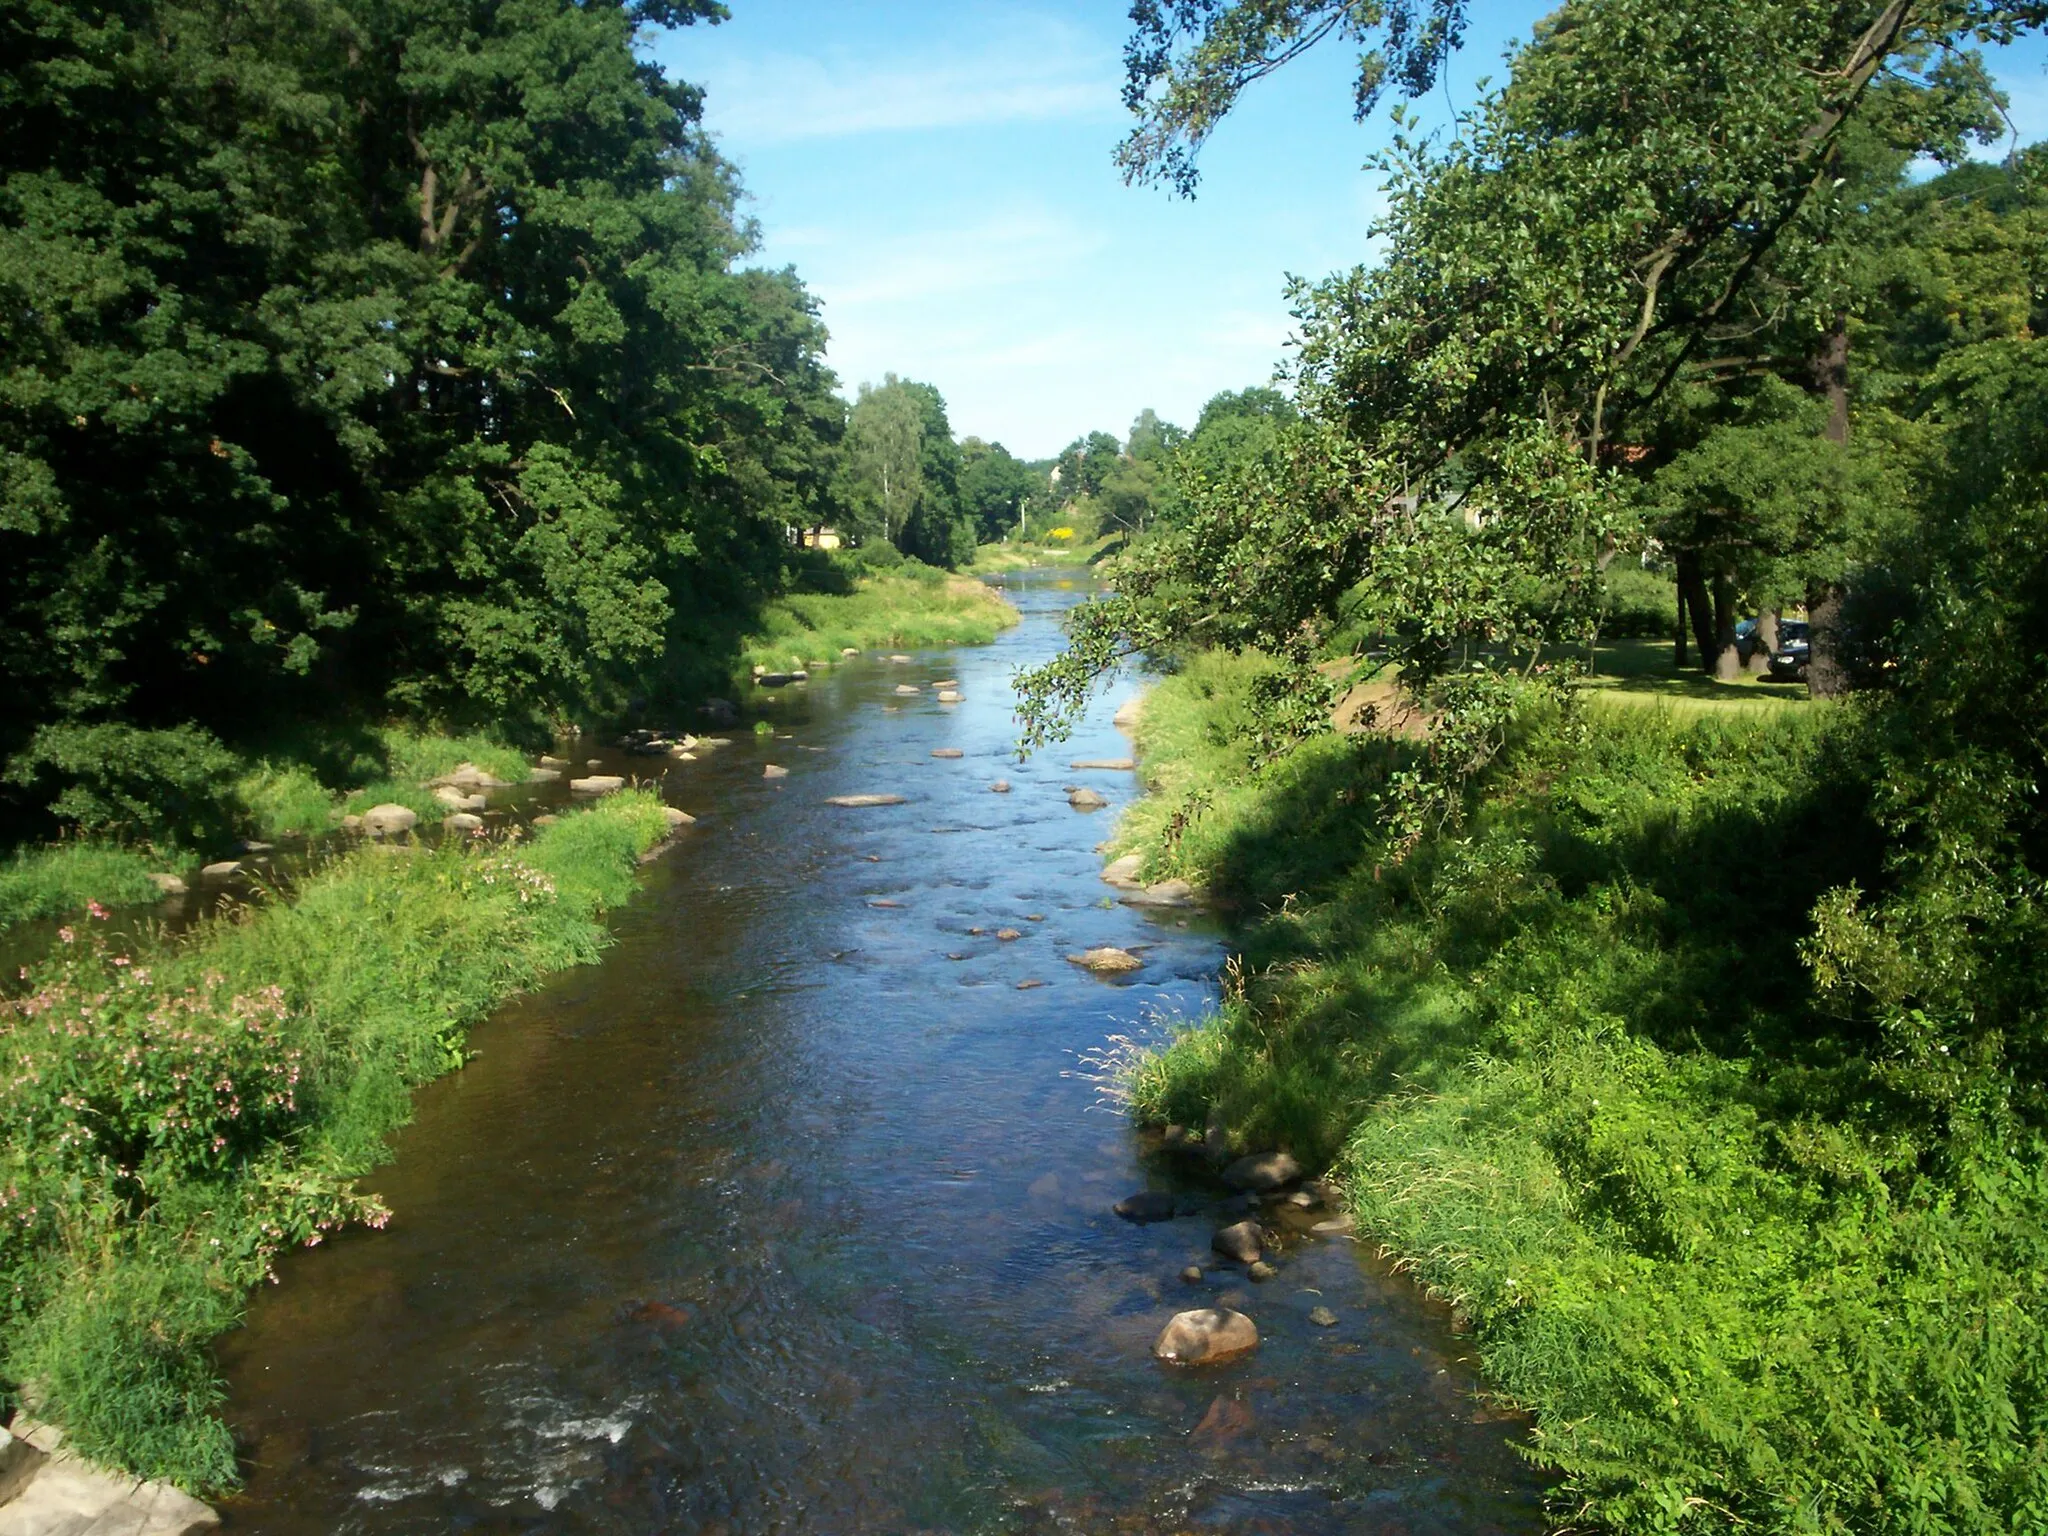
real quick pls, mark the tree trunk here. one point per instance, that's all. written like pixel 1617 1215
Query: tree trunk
pixel 1678 633
pixel 1727 659
pixel 1692 594
pixel 1764 644
pixel 1825 675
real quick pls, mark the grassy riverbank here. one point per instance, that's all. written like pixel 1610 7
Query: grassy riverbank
pixel 905 606
pixel 1575 1075
pixel 176 1115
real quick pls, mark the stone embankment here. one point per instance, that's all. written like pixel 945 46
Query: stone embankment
pixel 46 1490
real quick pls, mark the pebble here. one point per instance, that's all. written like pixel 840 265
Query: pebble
pixel 1000 787
pixel 1323 1317
pixel 1192 1274
pixel 1261 1270
pixel 1007 934
pixel 774 771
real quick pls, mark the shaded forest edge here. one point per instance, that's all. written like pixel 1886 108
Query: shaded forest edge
pixel 1599 1061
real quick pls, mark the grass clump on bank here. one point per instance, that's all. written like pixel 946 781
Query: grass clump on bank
pixel 1574 1063
pixel 865 605
pixel 49 882
pixel 174 1118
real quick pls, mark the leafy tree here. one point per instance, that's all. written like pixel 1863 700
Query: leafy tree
pixel 995 487
pixel 377 358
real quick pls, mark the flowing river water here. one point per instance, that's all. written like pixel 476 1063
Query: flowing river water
pixel 795 1214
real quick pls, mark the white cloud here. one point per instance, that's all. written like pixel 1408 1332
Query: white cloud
pixel 1026 69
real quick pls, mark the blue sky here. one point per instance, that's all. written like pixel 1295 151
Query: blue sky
pixel 940 174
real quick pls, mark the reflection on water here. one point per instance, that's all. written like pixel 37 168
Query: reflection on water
pixel 795 1214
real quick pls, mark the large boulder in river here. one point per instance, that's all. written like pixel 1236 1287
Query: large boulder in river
pixel 389 820
pixel 463 821
pixel 1112 764
pixel 1262 1172
pixel 1085 800
pixel 1243 1242
pixel 677 819
pixel 1106 960
pixel 1205 1336
pixel 597 784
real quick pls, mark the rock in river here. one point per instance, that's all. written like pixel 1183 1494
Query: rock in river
pixel 389 820
pixel 951 696
pixel 597 784
pixel 1147 1205
pixel 1259 1269
pixel 168 884
pixel 1123 871
pixel 906 688
pixel 676 818
pixel 1165 893
pixel 947 752
pixel 1112 764
pixel 856 801
pixel 1000 787
pixel 774 771
pixel 1262 1172
pixel 463 821
pixel 1243 1242
pixel 1085 800
pixel 1323 1317
pixel 226 869
pixel 1205 1336
pixel 1106 960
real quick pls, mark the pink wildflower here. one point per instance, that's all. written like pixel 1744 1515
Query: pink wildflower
pixel 96 910
pixel 67 935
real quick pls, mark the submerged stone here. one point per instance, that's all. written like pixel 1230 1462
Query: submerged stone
pixel 1147 1205
pixel 1106 960
pixel 1205 1336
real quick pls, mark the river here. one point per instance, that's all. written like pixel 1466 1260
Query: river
pixel 794 1214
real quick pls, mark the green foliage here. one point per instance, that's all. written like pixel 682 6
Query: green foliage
pixel 59 880
pixel 187 1110
pixel 1744 1261
pixel 166 787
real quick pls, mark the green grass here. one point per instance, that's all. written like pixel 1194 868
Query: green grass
pixel 1571 1069
pixel 59 880
pixel 186 1112
pixel 908 607
pixel 1639 672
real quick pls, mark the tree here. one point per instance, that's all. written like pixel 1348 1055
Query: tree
pixel 906 465
pixel 994 487
pixel 377 358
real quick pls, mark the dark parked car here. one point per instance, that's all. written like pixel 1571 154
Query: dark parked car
pixel 1795 644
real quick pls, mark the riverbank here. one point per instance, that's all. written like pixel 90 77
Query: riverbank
pixel 183 1110
pixel 1573 1073
pixel 905 606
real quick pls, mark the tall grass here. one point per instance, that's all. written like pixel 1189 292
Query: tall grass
pixel 1572 1072
pixel 177 1117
